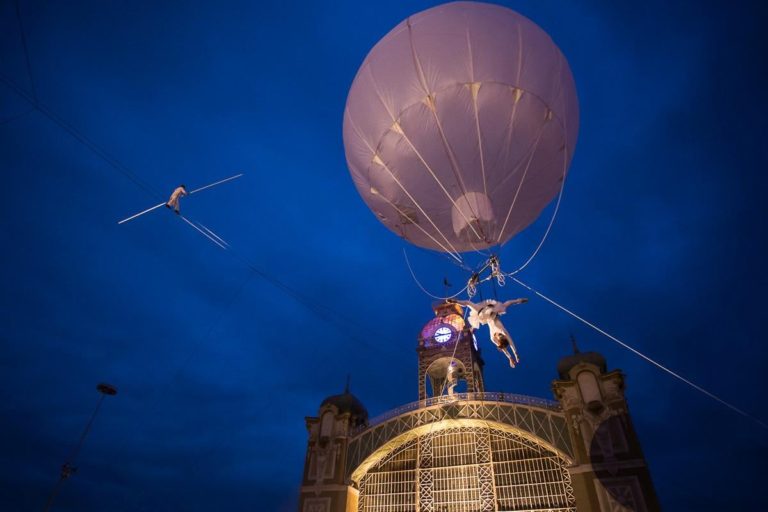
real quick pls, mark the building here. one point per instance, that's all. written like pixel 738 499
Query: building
pixel 460 448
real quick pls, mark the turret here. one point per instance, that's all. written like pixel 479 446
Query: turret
pixel 610 468
pixel 324 486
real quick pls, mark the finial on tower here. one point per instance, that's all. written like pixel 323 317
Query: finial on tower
pixel 573 342
pixel 346 388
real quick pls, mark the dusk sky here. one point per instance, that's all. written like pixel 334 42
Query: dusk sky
pixel 661 240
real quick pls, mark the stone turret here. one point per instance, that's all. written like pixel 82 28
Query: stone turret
pixel 610 473
pixel 324 486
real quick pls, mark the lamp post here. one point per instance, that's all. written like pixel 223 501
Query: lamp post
pixel 68 469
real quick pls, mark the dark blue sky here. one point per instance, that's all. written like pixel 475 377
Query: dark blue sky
pixel 661 240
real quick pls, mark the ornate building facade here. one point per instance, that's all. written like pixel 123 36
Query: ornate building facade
pixel 477 451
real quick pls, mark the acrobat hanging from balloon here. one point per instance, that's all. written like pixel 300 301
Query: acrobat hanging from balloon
pixel 487 312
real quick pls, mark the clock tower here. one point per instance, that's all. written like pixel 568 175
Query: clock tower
pixel 448 353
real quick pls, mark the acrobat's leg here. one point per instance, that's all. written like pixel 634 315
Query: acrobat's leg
pixel 511 360
pixel 513 349
pixel 505 338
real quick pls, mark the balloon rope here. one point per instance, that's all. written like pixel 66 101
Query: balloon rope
pixel 522 181
pixel 402 187
pixel 445 381
pixel 454 254
pixel 449 152
pixel 546 233
pixel 440 183
pixel 415 279
pixel 551 220
pixel 638 353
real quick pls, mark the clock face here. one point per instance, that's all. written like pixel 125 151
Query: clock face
pixel 443 334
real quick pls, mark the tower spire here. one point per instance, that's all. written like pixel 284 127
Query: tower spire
pixel 346 387
pixel 573 343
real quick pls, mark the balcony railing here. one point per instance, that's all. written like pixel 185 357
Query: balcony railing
pixel 460 397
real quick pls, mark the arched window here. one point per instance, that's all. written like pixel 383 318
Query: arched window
pixel 326 424
pixel 590 388
pixel 466 469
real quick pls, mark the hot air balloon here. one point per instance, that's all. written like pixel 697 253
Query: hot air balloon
pixel 460 126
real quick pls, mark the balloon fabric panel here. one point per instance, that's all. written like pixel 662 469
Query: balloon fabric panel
pixel 460 126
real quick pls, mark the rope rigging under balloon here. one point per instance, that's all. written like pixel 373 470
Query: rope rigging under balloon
pixel 546 232
pixel 493 262
pixel 416 280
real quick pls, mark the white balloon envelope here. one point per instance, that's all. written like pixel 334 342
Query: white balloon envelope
pixel 460 126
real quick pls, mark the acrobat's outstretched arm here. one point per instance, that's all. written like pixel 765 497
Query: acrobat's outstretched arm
pixel 468 304
pixel 514 302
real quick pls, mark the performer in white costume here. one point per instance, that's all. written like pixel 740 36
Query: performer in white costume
pixel 488 312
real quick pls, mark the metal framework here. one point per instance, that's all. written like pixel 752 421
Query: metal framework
pixel 541 418
pixel 468 469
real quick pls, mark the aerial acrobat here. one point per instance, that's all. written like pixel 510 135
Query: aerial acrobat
pixel 488 312
pixel 173 202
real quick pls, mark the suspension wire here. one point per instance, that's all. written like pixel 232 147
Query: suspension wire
pixel 640 354
pixel 79 136
pixel 328 314
pixel 316 308
pixel 206 235
pixel 498 273
pixel 26 52
pixel 460 264
pixel 319 309
pixel 339 321
pixel 90 145
pixel 551 220
pixel 416 280
pixel 189 354
pixel 115 164
pixel 522 180
pixel 445 381
pixel 495 295
pixel 14 117
pixel 546 232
